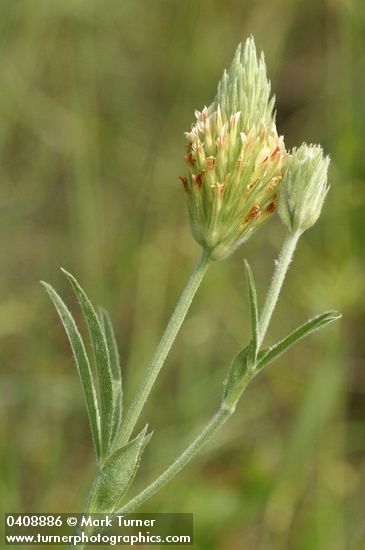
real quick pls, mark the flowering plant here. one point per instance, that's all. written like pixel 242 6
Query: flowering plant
pixel 238 175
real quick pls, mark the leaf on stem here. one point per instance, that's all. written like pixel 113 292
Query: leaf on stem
pixel 102 361
pixel 237 371
pixel 269 354
pixel 82 363
pixel 108 330
pixel 253 309
pixel 117 474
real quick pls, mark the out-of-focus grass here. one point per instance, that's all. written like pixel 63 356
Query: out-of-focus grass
pixel 94 99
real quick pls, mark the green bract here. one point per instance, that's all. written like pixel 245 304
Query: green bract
pixel 304 187
pixel 235 158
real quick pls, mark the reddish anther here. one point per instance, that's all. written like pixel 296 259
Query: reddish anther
pixel 184 181
pixel 253 214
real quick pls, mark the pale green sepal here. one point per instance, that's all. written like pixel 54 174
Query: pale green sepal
pixel 82 363
pixel 102 363
pixel 115 368
pixel 269 354
pixel 253 310
pixel 245 87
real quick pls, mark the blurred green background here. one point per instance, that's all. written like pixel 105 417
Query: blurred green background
pixel 94 99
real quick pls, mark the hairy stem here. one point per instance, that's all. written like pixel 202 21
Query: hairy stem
pixel 210 429
pixel 282 266
pixel 226 410
pixel 228 406
pixel 163 349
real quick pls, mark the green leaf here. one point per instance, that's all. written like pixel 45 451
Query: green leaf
pixel 115 368
pixel 237 372
pixel 253 308
pixel 146 440
pixel 117 474
pixel 269 354
pixel 82 363
pixel 102 361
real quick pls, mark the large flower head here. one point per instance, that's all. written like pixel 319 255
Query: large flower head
pixel 235 157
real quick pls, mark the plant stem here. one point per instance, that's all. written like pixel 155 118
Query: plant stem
pixel 227 407
pixel 163 348
pixel 282 266
pixel 226 410
pixel 86 511
pixel 211 428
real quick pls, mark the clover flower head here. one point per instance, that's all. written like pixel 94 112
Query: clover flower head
pixel 304 187
pixel 235 158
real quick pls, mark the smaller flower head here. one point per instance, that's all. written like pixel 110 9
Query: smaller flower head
pixel 304 187
pixel 234 157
